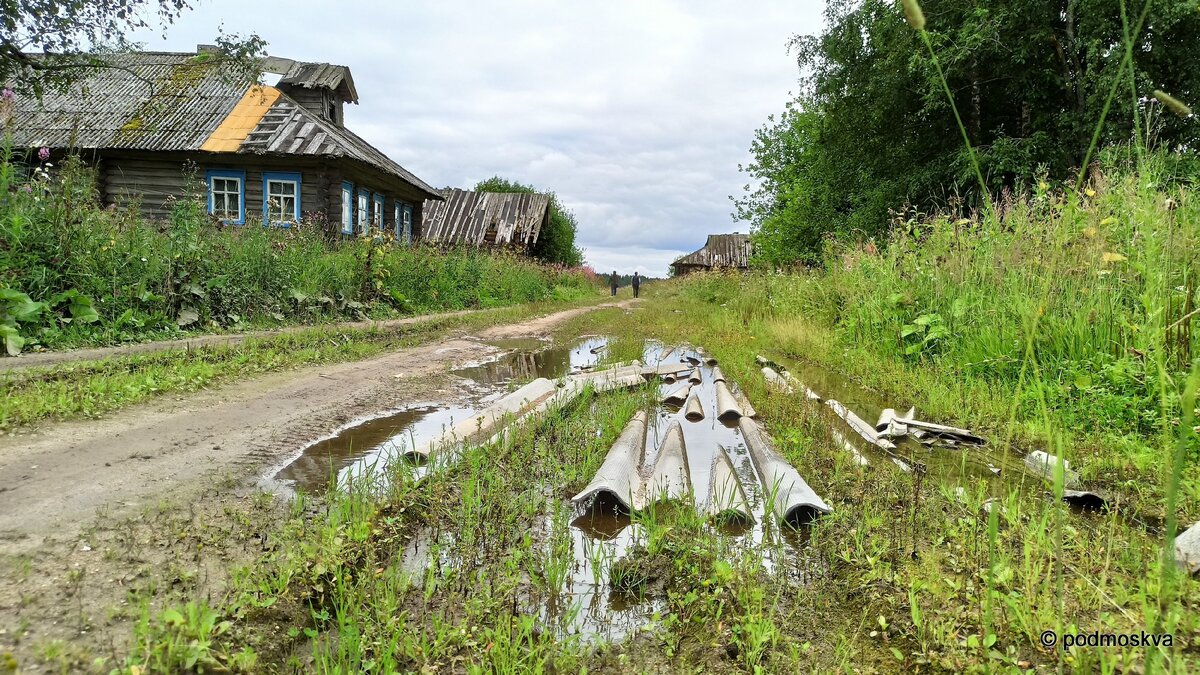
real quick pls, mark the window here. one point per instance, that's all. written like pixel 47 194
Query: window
pixel 347 208
pixel 281 198
pixel 377 214
pixel 227 195
pixel 364 227
pixel 406 224
pixel 396 218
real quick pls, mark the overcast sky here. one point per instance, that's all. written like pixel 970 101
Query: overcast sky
pixel 637 113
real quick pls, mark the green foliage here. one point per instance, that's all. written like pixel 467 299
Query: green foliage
pixel 67 35
pixel 556 243
pixel 872 130
pixel 73 272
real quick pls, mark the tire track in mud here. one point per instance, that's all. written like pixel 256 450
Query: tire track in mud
pixel 59 477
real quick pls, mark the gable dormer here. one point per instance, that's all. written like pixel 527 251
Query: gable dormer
pixel 321 88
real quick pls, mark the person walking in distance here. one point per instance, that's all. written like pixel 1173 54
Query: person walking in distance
pixel 612 282
pixel 637 283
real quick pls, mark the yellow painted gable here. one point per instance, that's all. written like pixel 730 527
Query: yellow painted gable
pixel 242 119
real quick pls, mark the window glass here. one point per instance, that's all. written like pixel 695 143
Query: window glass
pixel 281 201
pixel 363 206
pixel 347 208
pixel 227 195
pixel 227 198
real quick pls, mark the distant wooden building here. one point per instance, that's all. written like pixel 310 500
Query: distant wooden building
pixel 721 251
pixel 265 154
pixel 511 220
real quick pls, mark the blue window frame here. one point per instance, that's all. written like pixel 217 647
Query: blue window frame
pixel 347 207
pixel 406 217
pixel 363 205
pixel 377 213
pixel 281 198
pixel 227 195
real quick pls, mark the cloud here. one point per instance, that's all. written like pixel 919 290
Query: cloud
pixel 637 114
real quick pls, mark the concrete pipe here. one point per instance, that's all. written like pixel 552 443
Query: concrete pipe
pixel 693 409
pixel 794 502
pixel 695 377
pixel 679 395
pixel 619 476
pixel 670 478
pixel 717 375
pixel 726 498
pixel 727 406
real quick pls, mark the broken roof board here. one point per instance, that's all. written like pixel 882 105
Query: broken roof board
pixel 720 250
pixel 466 216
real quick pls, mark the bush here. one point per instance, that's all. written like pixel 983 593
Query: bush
pixel 74 272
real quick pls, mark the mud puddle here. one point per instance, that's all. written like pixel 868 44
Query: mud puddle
pixel 365 447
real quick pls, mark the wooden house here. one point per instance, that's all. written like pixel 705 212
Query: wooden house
pixel 162 125
pixel 509 220
pixel 721 251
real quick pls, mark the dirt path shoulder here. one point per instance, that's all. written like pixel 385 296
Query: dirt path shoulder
pixel 63 474
pixel 55 358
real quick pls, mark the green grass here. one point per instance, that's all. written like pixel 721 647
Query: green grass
pixel 73 273
pixel 90 389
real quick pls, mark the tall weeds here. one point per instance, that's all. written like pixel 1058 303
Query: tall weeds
pixel 146 279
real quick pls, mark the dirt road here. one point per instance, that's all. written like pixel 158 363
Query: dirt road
pixel 57 479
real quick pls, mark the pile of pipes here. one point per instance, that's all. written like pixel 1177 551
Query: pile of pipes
pixel 529 402
pixel 626 479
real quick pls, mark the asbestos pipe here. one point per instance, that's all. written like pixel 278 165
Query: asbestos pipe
pixel 794 503
pixel 808 393
pixel 717 375
pixel 695 377
pixel 486 423
pixel 859 425
pixel 670 478
pixel 693 409
pixel 776 381
pixel 620 475
pixel 1187 549
pixel 841 440
pixel 665 369
pixel 1045 466
pixel 889 425
pixel 679 395
pixel 727 406
pixel 726 498
pixel 744 403
pixel 955 433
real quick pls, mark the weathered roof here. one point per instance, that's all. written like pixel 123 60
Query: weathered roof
pixel 479 218
pixel 147 101
pixel 322 76
pixel 288 128
pixel 174 102
pixel 721 250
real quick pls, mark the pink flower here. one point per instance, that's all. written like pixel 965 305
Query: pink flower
pixel 8 94
pixel 44 154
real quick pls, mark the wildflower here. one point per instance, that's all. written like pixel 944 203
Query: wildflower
pixel 913 13
pixel 1110 257
pixel 1173 103
pixel 8 94
pixel 44 153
